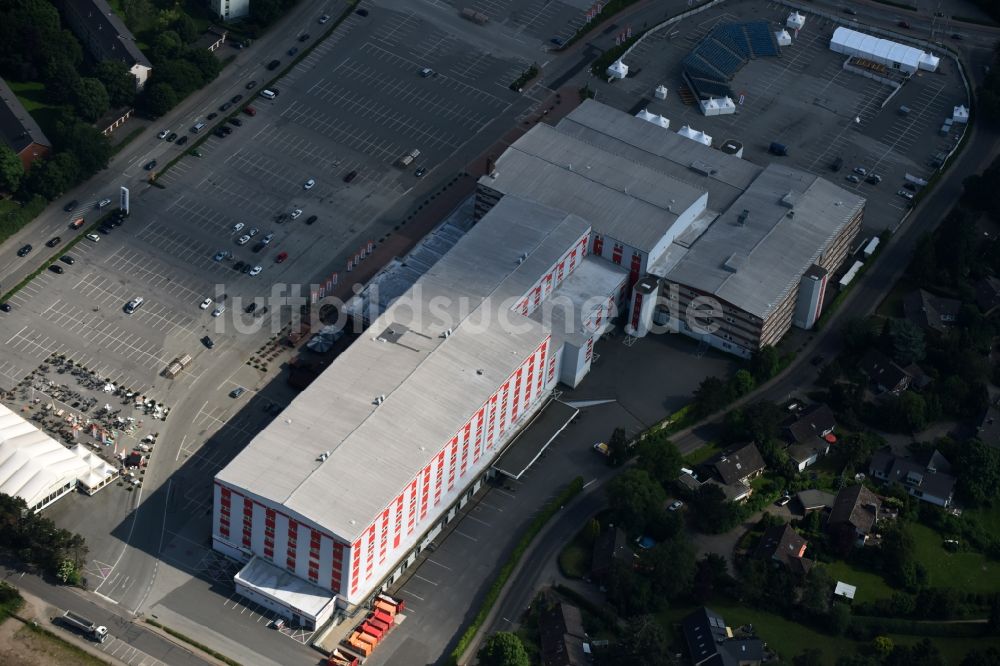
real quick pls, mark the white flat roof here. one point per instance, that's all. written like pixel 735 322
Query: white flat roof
pixel 792 216
pixel 623 199
pixel 588 286
pixel 876 47
pixel 284 587
pixel 431 384
pixel 32 464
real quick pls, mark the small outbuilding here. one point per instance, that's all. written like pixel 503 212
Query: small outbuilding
pixel 617 70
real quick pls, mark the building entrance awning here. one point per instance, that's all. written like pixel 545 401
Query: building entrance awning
pixel 534 439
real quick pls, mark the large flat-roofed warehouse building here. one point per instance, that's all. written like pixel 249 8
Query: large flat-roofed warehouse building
pixel 336 496
pixel 689 223
pixel 334 499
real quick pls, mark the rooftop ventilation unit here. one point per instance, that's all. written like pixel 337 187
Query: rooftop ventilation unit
pixel 741 220
pixel 379 400
pixel 790 199
pixel 446 333
pixel 735 262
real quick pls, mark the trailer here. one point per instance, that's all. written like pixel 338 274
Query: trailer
pixel 386 608
pixel 91 629
pixel 370 629
pixel 341 658
pixel 384 617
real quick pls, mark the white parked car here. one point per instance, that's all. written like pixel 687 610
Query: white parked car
pixel 675 505
pixel 163 134
pixel 253 232
pixel 243 240
pixel 256 270
pixel 93 237
pixel 905 194
pixel 205 303
pixel 324 18
pixel 238 227
pixel 268 238
pixel 219 309
pixel 309 184
pixel 296 213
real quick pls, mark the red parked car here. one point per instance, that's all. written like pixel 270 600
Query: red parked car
pixel 281 257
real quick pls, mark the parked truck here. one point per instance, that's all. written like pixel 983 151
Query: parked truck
pixel 92 630
pixel 475 17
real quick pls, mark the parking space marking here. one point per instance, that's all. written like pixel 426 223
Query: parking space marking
pixel 362 106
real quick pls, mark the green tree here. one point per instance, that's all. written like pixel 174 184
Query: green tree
pixel 839 619
pixel 659 457
pixel 711 395
pixel 11 171
pixel 924 653
pixel 630 593
pixel 503 649
pixel 618 447
pixel 185 28
pixel 91 149
pixel 712 512
pixel 645 643
pixel 90 99
pixel 899 556
pixel 757 422
pixel 764 364
pixel 977 467
pixel 673 568
pixel 157 99
pixel 742 383
pixel 53 176
pixel 816 591
pixel 138 13
pixel 711 575
pixel 119 83
pixel 167 45
pixel 907 341
pixel 911 411
pixel 882 646
pixel 61 78
pixel 634 496
pixel 205 62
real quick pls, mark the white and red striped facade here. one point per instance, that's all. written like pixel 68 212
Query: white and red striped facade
pixel 244 526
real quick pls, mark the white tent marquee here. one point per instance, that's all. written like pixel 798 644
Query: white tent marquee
pixel 891 54
pixel 695 135
pixel 654 118
pixel 618 70
pixel 960 114
pixel 35 467
pixel 101 472
pixel 795 21
pixel 784 39
pixel 717 106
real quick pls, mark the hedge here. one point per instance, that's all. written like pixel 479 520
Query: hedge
pixel 897 625
pixel 541 518
pixel 13 221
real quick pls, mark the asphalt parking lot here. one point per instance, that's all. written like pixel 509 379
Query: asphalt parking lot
pixel 806 101
pixel 553 19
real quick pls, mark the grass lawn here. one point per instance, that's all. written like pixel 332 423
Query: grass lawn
pixel 699 456
pixel 953 650
pixel 574 560
pixel 32 96
pixel 962 571
pixel 787 638
pixel 871 586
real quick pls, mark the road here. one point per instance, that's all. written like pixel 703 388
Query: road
pixel 123 633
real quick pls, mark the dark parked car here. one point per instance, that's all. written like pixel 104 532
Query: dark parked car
pixel 172 137
pixel 273 65
pixel 212 116
pixel 23 252
pixel 251 85
pixel 246 268
pixel 910 186
pixel 71 205
pixel 238 266
pixel 361 12
pixel 419 173
pixel 292 51
pixel 304 37
pixel 56 268
pixel 52 242
pixel 235 121
pixel 150 165
pixel 236 99
pixel 208 342
pixel 350 176
pixel 5 307
pixel 66 259
pixel 311 219
pixel 225 107
pixel 181 141
pixel 258 246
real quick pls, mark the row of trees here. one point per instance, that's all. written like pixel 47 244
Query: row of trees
pixel 713 394
pixel 35 541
